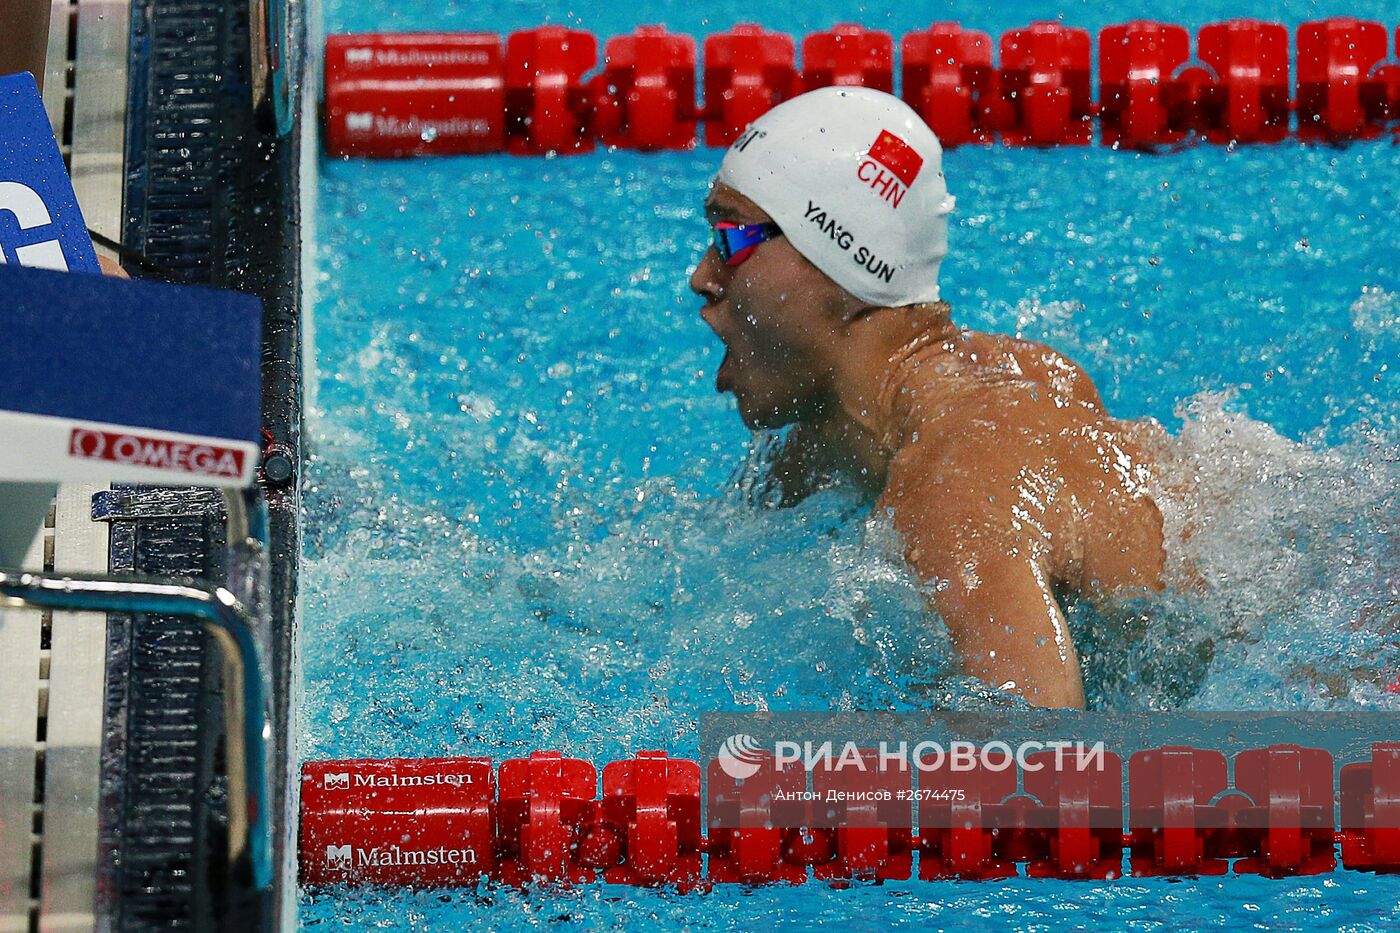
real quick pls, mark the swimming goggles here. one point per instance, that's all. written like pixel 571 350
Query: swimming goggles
pixel 735 243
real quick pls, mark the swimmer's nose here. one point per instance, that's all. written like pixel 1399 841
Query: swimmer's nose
pixel 706 280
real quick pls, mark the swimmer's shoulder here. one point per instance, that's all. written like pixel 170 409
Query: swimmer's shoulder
pixel 1043 365
pixel 1046 388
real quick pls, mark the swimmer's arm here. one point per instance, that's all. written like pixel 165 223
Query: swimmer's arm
pixel 992 593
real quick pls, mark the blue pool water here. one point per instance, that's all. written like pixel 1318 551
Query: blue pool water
pixel 526 524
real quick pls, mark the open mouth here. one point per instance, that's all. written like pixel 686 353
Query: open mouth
pixel 722 375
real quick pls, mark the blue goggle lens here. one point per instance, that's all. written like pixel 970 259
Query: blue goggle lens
pixel 736 242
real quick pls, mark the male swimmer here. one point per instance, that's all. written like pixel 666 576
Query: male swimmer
pixel 1005 477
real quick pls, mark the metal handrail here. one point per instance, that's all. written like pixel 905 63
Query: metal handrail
pixel 246 722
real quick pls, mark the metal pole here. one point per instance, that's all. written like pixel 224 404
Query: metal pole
pixel 247 727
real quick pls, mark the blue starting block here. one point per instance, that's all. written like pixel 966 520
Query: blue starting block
pixel 110 380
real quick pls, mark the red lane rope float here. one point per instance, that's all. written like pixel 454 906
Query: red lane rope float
pixel 427 821
pixel 546 824
pixel 848 56
pixel 1337 96
pixel 1137 67
pixel 1371 811
pixel 950 82
pixel 645 97
pixel 655 800
pixel 748 71
pixel 1242 93
pixel 452 93
pixel 1087 810
pixel 1045 86
pixel 440 822
pixel 547 106
pixel 1288 827
pixel 1171 816
pixel 414 93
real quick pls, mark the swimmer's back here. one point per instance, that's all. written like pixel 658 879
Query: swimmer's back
pixel 1020 435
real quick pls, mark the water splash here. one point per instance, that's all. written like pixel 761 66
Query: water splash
pixel 1293 553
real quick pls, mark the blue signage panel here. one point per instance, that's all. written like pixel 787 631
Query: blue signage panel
pixel 105 378
pixel 40 223
pixel 173 357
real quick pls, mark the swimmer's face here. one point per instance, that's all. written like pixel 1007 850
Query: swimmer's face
pixel 776 314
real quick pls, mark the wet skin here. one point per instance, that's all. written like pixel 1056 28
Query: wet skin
pixel 1002 472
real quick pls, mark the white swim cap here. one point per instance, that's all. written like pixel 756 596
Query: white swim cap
pixel 855 179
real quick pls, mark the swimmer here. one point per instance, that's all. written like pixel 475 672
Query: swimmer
pixel 1007 481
